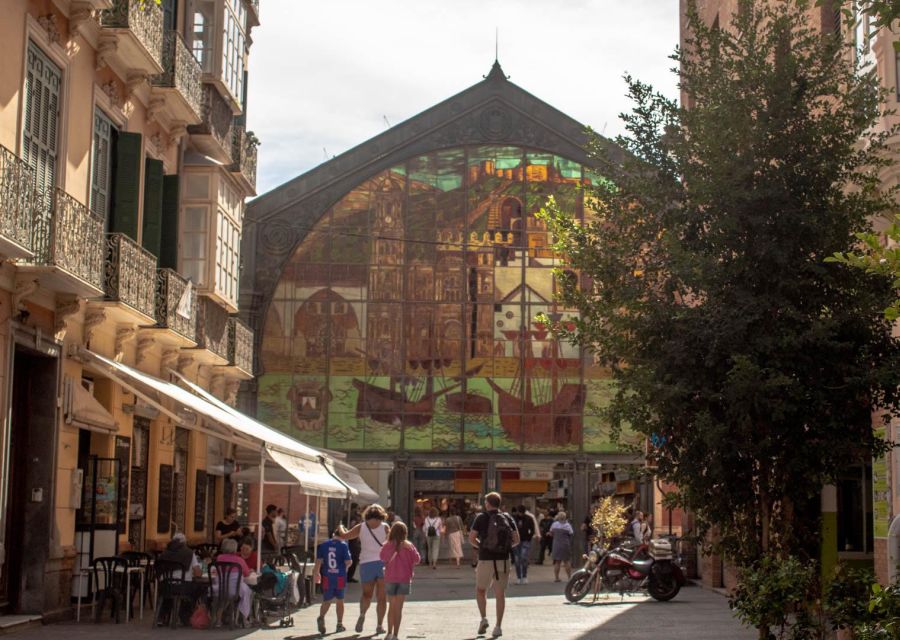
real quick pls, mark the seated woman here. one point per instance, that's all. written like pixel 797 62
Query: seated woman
pixel 247 552
pixel 228 553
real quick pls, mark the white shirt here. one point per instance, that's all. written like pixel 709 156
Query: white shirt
pixel 636 530
pixel 433 522
pixel 279 528
pixel 371 541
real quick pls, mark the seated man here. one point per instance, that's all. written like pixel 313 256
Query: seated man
pixel 179 552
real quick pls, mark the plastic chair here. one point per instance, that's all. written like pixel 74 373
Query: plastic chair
pixel 109 583
pixel 226 591
pixel 171 590
pixel 138 559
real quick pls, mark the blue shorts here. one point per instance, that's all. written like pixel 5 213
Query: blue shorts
pixel 397 588
pixel 371 571
pixel 333 588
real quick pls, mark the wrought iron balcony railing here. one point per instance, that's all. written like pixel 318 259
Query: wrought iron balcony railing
pixel 240 346
pixel 67 235
pixel 253 8
pixel 130 274
pixel 243 155
pixel 143 19
pixel 216 125
pixel 212 327
pixel 18 199
pixel 181 71
pixel 176 306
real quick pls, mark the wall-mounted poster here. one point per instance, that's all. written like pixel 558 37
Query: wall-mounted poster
pixel 164 510
pixel 200 501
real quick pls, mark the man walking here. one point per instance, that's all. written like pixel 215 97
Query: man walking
pixel 494 534
pixel 526 529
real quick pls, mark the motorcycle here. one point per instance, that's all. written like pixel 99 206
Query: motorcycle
pixel 626 569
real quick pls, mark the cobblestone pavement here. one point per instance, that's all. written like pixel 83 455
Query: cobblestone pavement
pixel 442 606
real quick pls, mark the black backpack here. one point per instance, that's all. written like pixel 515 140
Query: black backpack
pixel 432 532
pixel 499 538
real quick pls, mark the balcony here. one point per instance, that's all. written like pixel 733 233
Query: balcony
pixel 131 38
pixel 18 205
pixel 243 156
pixel 212 137
pixel 129 281
pixel 176 309
pixel 240 348
pixel 65 242
pixel 177 92
pixel 212 333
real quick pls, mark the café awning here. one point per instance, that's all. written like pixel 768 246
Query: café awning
pixel 348 474
pixel 83 410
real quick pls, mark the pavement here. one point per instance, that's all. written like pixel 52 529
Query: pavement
pixel 442 605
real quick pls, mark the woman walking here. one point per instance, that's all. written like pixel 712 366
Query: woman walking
pixel 433 526
pixel 400 557
pixel 453 526
pixel 561 531
pixel 372 533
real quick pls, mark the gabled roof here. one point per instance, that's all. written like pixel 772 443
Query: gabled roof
pixel 493 112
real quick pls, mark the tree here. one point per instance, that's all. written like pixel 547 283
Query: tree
pixel 751 365
pixel 875 257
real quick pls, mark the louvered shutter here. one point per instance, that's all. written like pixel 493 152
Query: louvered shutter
pixel 41 126
pixel 168 252
pixel 100 164
pixel 126 185
pixel 151 235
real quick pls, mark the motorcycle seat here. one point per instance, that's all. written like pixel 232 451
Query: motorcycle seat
pixel 643 565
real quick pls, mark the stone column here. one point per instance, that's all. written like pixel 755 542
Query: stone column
pixel 579 504
pixel 490 481
pixel 401 489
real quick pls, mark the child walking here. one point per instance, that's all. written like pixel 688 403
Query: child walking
pixel 400 557
pixel 332 561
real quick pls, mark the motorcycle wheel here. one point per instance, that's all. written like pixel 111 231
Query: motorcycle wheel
pixel 663 590
pixel 577 586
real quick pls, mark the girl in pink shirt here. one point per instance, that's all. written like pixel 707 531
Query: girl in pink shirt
pixel 399 556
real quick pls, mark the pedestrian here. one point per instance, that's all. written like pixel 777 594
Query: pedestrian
pixel 587 527
pixel 454 529
pixel 400 558
pixel 546 539
pixel 355 547
pixel 476 509
pixel 536 537
pixel 332 561
pixel 372 533
pixel 433 527
pixel 525 526
pixel 418 536
pixel 562 533
pixel 636 525
pixel 269 544
pixel 647 528
pixel 178 552
pixel 228 527
pixel 280 529
pixel 493 533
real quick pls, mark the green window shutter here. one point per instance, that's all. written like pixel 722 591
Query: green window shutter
pixel 153 200
pixel 100 164
pixel 126 180
pixel 41 122
pixel 168 253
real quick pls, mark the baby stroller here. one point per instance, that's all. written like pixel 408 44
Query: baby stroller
pixel 268 601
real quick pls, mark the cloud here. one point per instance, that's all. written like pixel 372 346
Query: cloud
pixel 324 75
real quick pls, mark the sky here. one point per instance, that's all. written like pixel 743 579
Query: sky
pixel 326 75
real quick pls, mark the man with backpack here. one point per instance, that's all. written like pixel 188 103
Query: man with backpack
pixel 494 533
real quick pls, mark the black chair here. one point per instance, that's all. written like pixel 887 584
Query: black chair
pixel 138 559
pixel 225 591
pixel 109 584
pixel 206 550
pixel 172 590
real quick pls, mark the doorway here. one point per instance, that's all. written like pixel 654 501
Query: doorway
pixel 28 512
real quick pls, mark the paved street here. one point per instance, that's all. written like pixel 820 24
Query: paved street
pixel 442 606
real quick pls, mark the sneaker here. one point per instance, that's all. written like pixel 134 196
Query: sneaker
pixel 524 580
pixel 379 630
pixel 483 626
pixel 320 621
pixel 359 623
pixel 340 628
pixel 497 632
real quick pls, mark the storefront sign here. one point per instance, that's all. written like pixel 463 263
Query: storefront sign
pixel 530 474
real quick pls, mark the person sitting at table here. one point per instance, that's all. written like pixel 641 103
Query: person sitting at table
pixel 247 552
pixel 179 552
pixel 228 553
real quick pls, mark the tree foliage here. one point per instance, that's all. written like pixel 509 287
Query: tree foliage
pixel 752 364
pixel 608 519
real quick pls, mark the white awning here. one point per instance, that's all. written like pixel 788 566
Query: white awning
pixel 84 411
pixel 302 462
pixel 349 475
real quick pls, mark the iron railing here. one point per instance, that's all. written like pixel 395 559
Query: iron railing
pixel 218 119
pixel 243 153
pixel 143 19
pixel 181 71
pixel 176 306
pixel 240 345
pixel 212 327
pixel 67 235
pixel 130 274
pixel 18 198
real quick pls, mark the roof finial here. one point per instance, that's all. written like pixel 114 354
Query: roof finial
pixel 496 72
pixel 496 44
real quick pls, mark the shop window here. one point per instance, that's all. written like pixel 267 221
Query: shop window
pixel 854 493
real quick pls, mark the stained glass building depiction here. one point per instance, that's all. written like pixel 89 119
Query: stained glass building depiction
pixel 397 289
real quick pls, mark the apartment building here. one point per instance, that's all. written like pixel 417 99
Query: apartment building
pixel 124 166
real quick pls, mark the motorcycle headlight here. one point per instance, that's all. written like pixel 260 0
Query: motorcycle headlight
pixel 593 556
